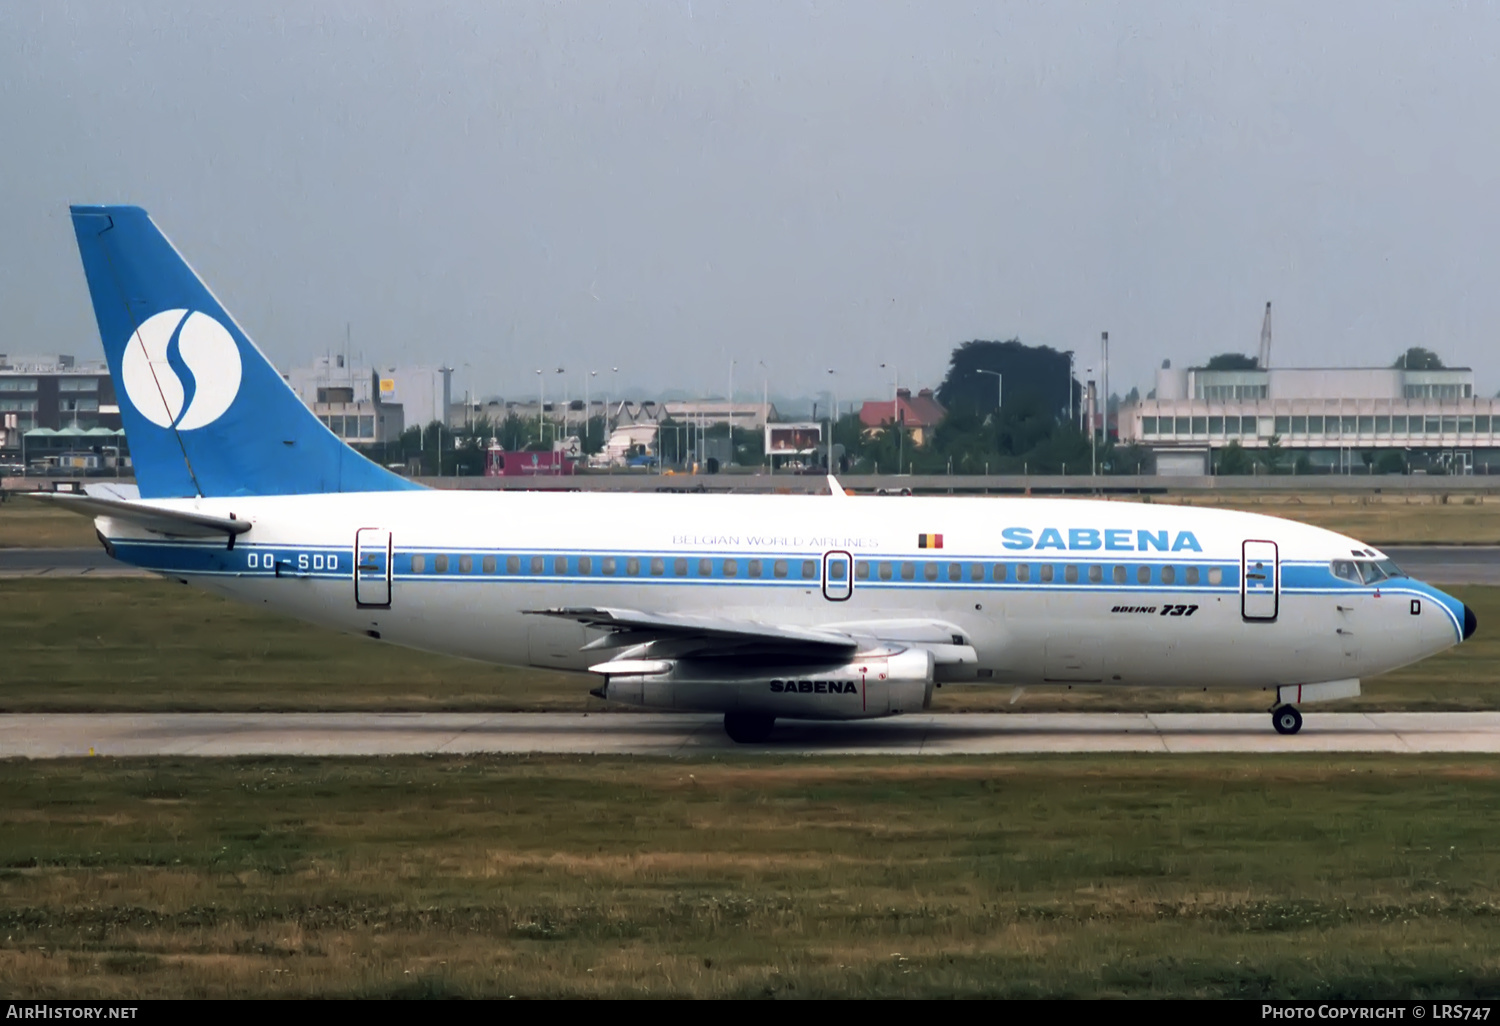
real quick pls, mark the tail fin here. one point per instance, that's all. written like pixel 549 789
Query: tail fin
pixel 205 412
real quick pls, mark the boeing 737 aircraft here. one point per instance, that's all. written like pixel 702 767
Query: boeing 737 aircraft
pixel 757 607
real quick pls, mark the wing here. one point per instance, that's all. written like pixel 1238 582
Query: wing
pixel 702 635
pixel 668 636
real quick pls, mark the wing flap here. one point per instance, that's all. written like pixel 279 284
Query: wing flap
pixel 718 633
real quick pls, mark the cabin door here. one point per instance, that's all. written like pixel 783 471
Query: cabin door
pixel 372 568
pixel 838 576
pixel 1260 581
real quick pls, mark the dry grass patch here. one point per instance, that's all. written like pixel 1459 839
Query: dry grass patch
pixel 1358 876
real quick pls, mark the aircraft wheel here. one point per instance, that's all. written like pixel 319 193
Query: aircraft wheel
pixel 748 728
pixel 1286 719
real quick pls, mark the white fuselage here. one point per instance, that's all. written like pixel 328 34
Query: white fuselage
pixel 1045 591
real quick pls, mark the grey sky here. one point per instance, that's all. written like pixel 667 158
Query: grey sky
pixel 814 185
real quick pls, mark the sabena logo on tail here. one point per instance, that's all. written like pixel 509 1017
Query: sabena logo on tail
pixel 200 346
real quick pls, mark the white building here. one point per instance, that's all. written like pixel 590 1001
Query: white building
pixel 1338 417
pixel 352 400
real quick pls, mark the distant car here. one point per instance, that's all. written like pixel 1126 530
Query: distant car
pixel 641 461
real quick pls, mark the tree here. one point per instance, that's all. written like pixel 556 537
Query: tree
pixel 1233 459
pixel 1038 371
pixel 1232 362
pixel 1270 456
pixel 1417 358
pixel 1390 462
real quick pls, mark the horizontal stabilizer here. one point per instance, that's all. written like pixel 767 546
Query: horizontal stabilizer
pixel 175 523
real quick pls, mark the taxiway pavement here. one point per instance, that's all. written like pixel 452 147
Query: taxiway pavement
pixel 64 735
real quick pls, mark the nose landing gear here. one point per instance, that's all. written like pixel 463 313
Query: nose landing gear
pixel 1286 719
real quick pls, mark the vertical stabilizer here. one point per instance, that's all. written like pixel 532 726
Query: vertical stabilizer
pixel 204 411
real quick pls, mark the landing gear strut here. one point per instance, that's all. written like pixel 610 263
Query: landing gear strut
pixel 1286 719
pixel 748 728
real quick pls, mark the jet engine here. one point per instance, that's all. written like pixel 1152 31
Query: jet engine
pixel 881 683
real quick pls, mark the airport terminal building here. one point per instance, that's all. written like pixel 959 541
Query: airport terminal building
pixel 1342 419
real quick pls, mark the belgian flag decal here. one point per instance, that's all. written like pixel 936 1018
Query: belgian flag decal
pixel 929 541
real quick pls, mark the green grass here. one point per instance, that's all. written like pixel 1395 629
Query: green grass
pixel 1302 877
pixel 1426 518
pixel 153 646
pixel 27 524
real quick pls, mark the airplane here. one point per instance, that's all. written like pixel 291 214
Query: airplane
pixel 759 607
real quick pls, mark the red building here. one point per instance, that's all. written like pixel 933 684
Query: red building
pixel 920 414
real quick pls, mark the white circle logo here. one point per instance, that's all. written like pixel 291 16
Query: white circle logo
pixel 203 348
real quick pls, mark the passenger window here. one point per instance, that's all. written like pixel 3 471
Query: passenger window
pixel 466 564
pixel 885 571
pixel 658 567
pixel 1119 575
pixel 1046 577
pixel 809 570
pixel 487 564
pixel 1096 575
pixel 976 571
pixel 439 564
pixel 512 564
pixel 955 571
pixel 538 564
pixel 418 564
pixel 1192 575
pixel 753 568
pixel 1215 575
pixel 930 571
pixel 1023 573
pixel 607 566
pixel 1070 573
pixel 679 568
pixel 585 565
pixel 1169 575
pixel 779 568
pixel 559 564
pixel 837 570
pixel 862 570
pixel 633 567
pixel 1143 574
pixel 731 568
pixel 705 568
pixel 908 571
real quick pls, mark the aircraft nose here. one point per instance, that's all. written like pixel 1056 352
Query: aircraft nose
pixel 1471 622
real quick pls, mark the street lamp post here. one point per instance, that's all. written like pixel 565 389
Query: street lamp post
pixel 896 417
pixel 541 401
pixel 833 417
pixel 998 400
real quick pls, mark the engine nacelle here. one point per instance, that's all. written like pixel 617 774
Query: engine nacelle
pixel 882 684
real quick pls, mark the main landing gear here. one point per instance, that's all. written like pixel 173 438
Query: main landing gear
pixel 1286 719
pixel 748 728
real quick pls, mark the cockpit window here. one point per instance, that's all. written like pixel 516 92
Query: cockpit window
pixel 1380 569
pixel 1364 571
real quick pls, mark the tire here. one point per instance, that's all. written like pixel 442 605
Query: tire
pixel 748 728
pixel 1286 719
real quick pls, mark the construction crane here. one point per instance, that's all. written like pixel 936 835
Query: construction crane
pixel 1265 340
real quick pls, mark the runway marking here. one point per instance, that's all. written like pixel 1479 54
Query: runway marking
pixel 66 735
